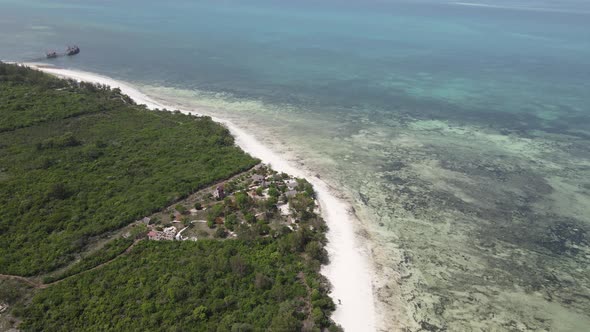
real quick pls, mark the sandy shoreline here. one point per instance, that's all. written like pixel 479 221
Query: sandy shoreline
pixel 350 270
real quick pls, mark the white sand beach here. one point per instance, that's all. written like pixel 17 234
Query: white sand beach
pixel 350 270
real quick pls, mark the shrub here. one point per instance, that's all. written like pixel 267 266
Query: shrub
pixel 220 232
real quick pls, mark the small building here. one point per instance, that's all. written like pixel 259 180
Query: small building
pixel 146 220
pixel 219 193
pixel 292 184
pixel 257 178
pixel 260 180
pixel 169 233
pixel 291 193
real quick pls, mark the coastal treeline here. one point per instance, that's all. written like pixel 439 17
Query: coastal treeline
pixel 71 172
pixel 78 160
pixel 29 97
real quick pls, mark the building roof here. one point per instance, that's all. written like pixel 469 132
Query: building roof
pixel 257 177
pixel 292 184
pixel 170 229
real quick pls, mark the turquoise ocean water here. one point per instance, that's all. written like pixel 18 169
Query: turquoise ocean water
pixel 459 130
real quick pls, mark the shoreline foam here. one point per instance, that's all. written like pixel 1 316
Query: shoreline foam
pixel 350 269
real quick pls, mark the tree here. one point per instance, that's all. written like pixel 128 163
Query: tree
pixel 284 321
pixel 243 201
pixel 262 282
pixel 231 220
pixel 262 228
pixel 316 251
pixel 238 265
pixel 220 232
pixel 200 313
pixel 302 205
pixel 58 191
pixel 250 218
pixel 271 204
pixel 304 186
pixel 273 192
pixel 67 140
pixel 242 327
pixel 228 203
pixel 230 187
pixel 318 315
pixel 215 211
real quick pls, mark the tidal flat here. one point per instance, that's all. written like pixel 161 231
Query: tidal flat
pixel 481 230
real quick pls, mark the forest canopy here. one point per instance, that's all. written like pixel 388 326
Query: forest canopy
pixel 189 286
pixel 78 160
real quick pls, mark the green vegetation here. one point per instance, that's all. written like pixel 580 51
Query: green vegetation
pixel 15 294
pixel 110 251
pixel 11 291
pixel 253 206
pixel 71 170
pixel 189 286
pixel 78 161
pixel 29 97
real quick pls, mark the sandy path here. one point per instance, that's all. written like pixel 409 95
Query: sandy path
pixel 42 286
pixel 23 279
